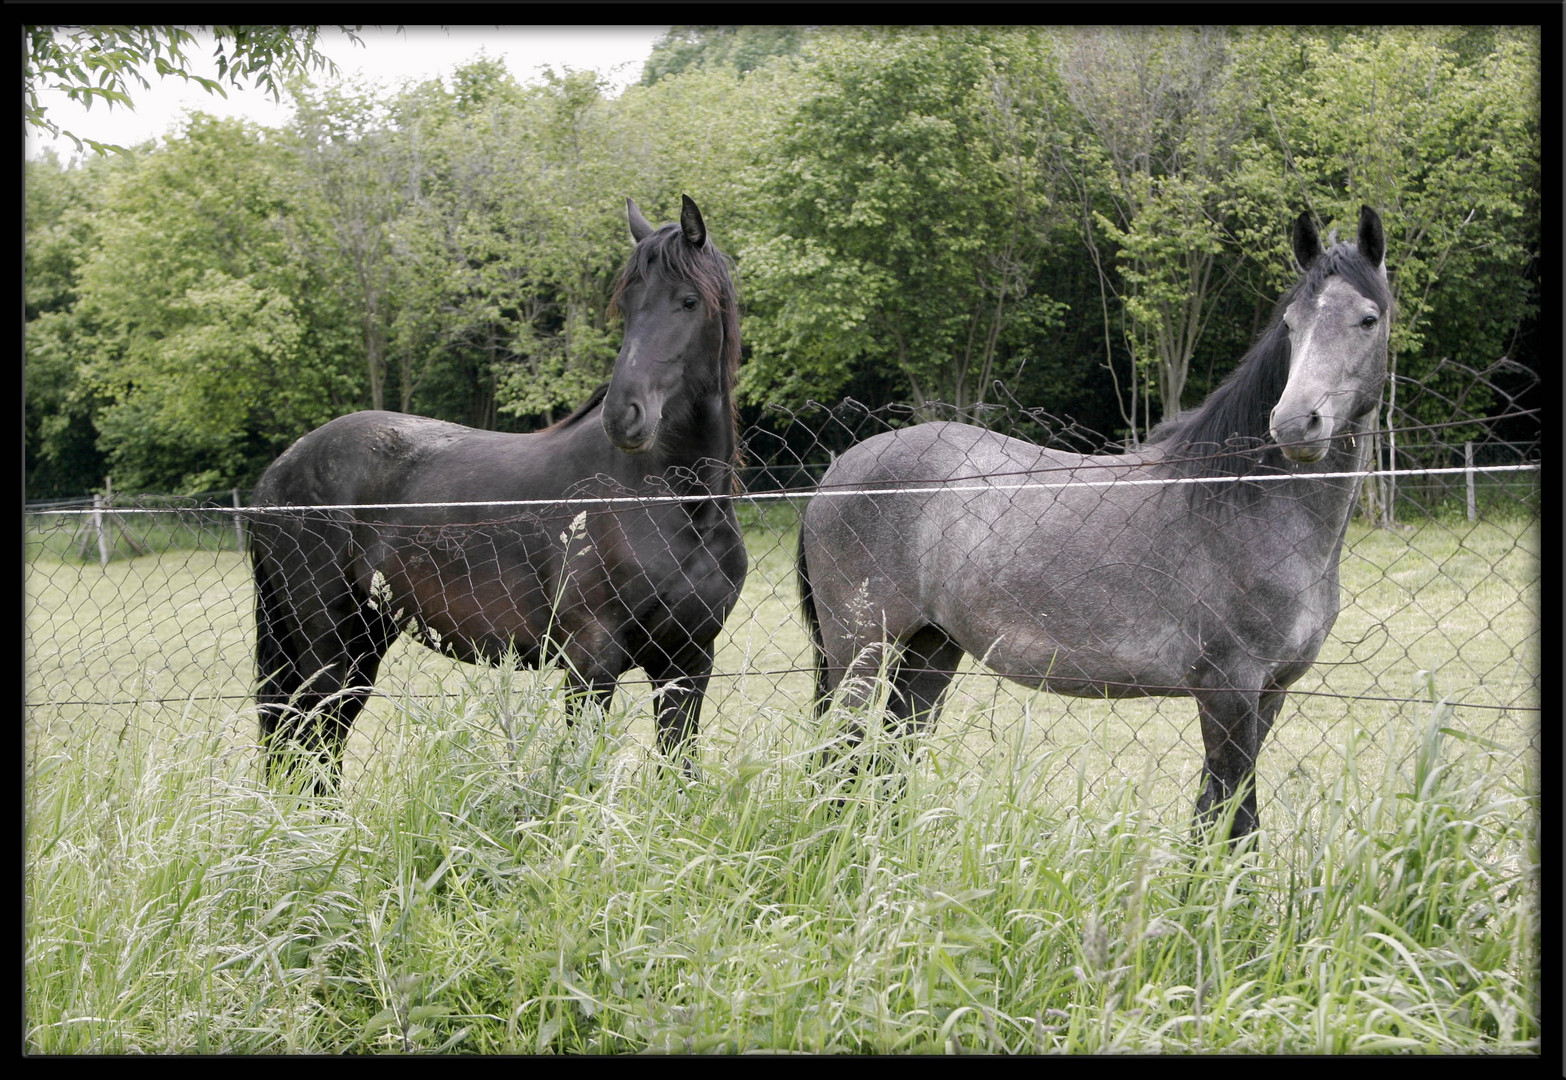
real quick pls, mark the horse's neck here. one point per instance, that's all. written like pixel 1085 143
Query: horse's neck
pixel 1319 497
pixel 1326 502
pixel 703 462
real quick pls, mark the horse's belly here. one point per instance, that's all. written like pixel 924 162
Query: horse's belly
pixel 1080 665
pixel 1106 677
pixel 470 605
pixel 479 594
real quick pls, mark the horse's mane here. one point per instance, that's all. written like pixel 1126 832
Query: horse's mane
pixel 594 399
pixel 1229 432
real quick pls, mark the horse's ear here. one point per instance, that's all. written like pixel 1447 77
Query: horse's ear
pixel 691 224
pixel 1307 241
pixel 1372 240
pixel 640 230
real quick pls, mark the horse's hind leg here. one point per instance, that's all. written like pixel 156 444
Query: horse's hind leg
pixel 919 677
pixel 918 672
pixel 319 714
pixel 924 672
pixel 276 672
pixel 316 671
pixel 853 682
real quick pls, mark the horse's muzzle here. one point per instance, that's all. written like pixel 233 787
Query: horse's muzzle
pixel 1302 438
pixel 1304 455
pixel 630 428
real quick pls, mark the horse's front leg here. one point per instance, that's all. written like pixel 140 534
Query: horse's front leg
pixel 593 662
pixel 580 694
pixel 1232 731
pixel 679 687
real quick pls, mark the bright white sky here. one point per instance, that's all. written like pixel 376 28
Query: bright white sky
pixel 387 56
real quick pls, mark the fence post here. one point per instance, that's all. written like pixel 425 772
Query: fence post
pixel 97 525
pixel 1370 493
pixel 1468 474
pixel 1389 482
pixel 239 522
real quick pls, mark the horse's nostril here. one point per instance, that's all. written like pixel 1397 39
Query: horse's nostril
pixel 630 425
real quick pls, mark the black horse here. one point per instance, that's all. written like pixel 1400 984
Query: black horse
pixel 1205 563
pixel 604 542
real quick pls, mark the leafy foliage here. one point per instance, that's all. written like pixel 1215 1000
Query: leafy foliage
pixel 191 322
pixel 1440 142
pixel 98 63
pixel 741 49
pixel 908 210
pixel 1089 221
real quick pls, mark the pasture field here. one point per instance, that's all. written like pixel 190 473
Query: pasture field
pixel 492 880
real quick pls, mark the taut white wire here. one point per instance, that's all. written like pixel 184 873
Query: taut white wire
pixel 922 489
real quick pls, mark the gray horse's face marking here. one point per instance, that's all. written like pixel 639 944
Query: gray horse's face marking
pixel 1337 354
pixel 1337 361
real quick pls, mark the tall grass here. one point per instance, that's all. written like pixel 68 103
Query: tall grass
pixel 494 880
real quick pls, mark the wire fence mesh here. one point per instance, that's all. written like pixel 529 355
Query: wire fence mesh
pixel 140 611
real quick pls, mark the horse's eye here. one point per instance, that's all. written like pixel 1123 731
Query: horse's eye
pixel 1368 321
pixel 690 303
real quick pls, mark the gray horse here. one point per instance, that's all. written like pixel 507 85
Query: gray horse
pixel 1205 563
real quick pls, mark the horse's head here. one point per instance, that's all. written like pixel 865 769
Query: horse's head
pixel 1337 322
pixel 681 332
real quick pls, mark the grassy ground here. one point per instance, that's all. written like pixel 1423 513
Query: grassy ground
pixel 493 881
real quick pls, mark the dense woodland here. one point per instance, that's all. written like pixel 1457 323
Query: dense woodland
pixel 1089 221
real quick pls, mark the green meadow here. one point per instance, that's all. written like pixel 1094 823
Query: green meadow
pixel 1024 879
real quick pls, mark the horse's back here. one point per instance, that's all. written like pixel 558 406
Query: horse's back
pixel 940 480
pixel 1015 551
pixel 374 460
pixel 1091 573
pixel 932 453
pixel 377 455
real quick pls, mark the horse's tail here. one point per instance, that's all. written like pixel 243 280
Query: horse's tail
pixel 272 659
pixel 807 606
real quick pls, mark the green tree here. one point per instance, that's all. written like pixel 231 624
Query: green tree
pixel 907 215
pixel 739 49
pixel 1165 114
pixel 357 174
pixel 191 333
pixel 62 209
pixel 505 248
pixel 480 301
pixel 578 182
pixel 518 245
pixel 703 133
pixel 99 63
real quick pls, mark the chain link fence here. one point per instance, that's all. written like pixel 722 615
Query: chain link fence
pixel 140 612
